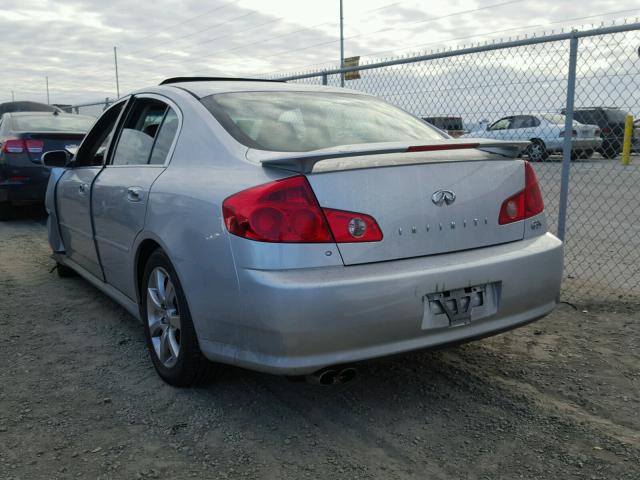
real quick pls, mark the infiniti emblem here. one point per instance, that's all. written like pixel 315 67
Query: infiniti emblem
pixel 442 197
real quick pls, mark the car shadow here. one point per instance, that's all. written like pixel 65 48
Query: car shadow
pixel 32 213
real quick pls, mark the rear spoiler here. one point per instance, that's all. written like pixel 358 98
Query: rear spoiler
pixel 304 161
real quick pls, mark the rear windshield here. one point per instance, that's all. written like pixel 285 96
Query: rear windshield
pixel 304 121
pixel 52 123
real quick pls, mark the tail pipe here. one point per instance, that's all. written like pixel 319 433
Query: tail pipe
pixel 332 376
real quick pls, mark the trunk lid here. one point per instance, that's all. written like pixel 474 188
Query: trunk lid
pixel 437 198
pixel 412 223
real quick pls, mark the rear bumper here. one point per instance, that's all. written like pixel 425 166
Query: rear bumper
pixel 576 144
pixel 297 321
pixel 26 191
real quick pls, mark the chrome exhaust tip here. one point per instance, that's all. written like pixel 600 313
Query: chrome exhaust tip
pixel 331 376
pixel 346 375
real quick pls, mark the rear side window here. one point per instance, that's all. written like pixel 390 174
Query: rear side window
pixel 139 132
pixel 616 116
pixel 305 121
pixel 589 117
pixel 164 139
pixel 525 121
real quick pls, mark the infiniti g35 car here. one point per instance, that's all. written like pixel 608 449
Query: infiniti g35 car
pixel 290 228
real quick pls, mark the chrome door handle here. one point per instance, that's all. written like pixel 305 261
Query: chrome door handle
pixel 134 194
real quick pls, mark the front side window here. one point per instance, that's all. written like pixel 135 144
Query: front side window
pixel 502 124
pixel 305 121
pixel 93 150
pixel 139 132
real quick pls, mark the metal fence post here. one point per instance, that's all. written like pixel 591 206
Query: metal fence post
pixel 566 146
pixel 324 78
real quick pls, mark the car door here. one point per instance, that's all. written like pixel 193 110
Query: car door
pixel 522 127
pixel 73 192
pixel 143 148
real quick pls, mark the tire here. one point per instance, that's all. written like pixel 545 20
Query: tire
pixel 537 151
pixel 585 154
pixel 169 332
pixel 64 271
pixel 5 211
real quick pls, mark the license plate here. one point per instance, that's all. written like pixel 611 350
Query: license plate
pixel 459 307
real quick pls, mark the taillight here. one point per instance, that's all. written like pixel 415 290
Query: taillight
pixel 348 227
pixel 597 132
pixel 606 131
pixel 34 146
pixel 13 145
pixel 524 204
pixel 287 211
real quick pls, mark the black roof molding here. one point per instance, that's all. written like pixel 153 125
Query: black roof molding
pixel 169 81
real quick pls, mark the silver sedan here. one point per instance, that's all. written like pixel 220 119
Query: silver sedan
pixel 546 133
pixel 292 229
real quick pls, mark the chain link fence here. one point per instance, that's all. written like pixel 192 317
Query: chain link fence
pixel 521 90
pixel 93 109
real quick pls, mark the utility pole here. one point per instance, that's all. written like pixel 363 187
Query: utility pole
pixel 13 97
pixel 341 45
pixel 46 78
pixel 115 60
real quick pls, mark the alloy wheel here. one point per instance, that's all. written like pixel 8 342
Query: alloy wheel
pixel 163 317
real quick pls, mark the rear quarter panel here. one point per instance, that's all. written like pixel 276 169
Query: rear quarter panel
pixel 184 215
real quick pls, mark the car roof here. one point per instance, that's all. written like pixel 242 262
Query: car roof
pixel 201 89
pixel 28 106
pixel 46 114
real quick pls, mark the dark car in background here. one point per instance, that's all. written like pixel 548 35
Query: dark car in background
pixel 611 123
pixel 24 137
pixel 452 125
pixel 26 106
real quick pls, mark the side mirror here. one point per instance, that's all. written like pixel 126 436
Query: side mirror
pixel 56 158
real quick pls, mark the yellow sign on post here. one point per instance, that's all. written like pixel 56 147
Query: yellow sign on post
pixel 626 143
pixel 352 62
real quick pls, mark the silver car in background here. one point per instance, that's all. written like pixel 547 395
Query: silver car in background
pixel 290 228
pixel 546 133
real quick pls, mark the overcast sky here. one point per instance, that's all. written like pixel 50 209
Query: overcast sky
pixel 71 41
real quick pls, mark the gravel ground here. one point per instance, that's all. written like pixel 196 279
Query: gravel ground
pixel 602 250
pixel 79 398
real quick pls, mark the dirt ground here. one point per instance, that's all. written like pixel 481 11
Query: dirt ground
pixel 558 399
